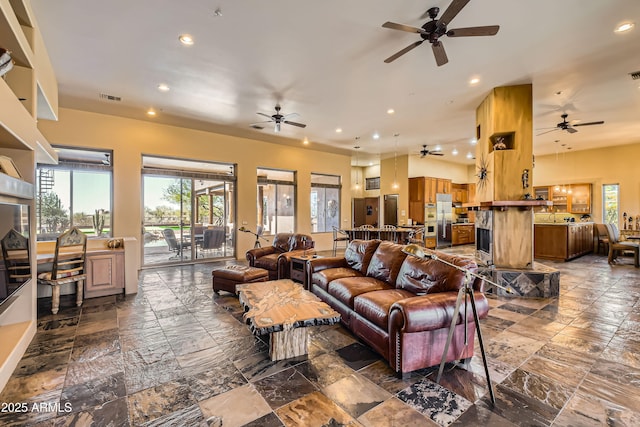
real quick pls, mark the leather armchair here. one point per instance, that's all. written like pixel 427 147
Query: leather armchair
pixel 275 258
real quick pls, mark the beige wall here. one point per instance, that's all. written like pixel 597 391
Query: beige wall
pixel 130 139
pixel 611 165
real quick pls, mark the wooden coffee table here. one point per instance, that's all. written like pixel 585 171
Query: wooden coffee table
pixel 284 310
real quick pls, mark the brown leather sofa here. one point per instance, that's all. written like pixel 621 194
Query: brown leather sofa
pixel 275 258
pixel 400 305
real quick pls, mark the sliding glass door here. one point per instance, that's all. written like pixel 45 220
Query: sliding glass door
pixel 189 211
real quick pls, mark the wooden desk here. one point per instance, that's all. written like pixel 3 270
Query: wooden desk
pixel 104 269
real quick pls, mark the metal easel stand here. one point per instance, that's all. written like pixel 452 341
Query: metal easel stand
pixel 465 291
pixel 256 244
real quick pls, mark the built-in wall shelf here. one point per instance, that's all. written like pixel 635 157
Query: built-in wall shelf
pixel 14 187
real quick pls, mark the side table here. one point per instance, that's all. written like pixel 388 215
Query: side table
pixel 298 272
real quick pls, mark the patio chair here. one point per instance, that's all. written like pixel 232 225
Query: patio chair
pixel 174 244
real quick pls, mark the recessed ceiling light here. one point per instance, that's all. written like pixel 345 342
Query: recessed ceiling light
pixel 186 39
pixel 338 130
pixel 370 163
pixel 305 141
pixel 391 111
pixel 474 81
pixel 469 155
pixel 474 141
pixel 151 112
pixel 438 148
pixel 454 151
pixel 376 135
pixel 625 26
pixel 162 87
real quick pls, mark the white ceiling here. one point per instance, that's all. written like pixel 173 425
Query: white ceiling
pixel 324 61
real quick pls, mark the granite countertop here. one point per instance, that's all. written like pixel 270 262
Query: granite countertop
pixel 463 223
pixel 564 223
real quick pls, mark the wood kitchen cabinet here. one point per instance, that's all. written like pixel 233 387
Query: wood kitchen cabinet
pixel 422 190
pixel 459 193
pixel 105 273
pixel 573 198
pixel 462 234
pixel 562 241
pixel 443 186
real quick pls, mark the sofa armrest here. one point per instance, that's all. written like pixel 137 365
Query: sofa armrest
pixel 319 264
pixel 432 311
pixel 253 254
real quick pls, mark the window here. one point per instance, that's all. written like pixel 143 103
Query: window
pixel 325 202
pixel 276 201
pixel 610 204
pixel 373 183
pixel 189 210
pixel 75 192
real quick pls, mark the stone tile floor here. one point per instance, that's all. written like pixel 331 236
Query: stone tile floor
pixel 176 354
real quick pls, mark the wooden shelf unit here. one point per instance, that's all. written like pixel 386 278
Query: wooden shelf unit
pixel 27 93
pixel 571 198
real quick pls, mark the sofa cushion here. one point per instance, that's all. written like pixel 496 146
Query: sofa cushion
pixel 359 253
pixel 347 288
pixel 386 261
pixel 281 241
pixel 429 275
pixel 323 277
pixel 374 306
pixel 300 241
pixel 268 262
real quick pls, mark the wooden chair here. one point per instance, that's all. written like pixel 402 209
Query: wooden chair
pixel 602 238
pixel 616 245
pixel 15 252
pixel 339 236
pixel 389 233
pixel 68 266
pixel 416 237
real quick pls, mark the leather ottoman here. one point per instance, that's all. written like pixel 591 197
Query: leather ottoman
pixel 226 278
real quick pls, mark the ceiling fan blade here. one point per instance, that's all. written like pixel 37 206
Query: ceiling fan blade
pixel 265 115
pixel 403 51
pixel 571 130
pixel 552 130
pixel 261 123
pixel 439 53
pixel 436 153
pixel 454 8
pixel 290 116
pixel 402 27
pixel 589 123
pixel 300 125
pixel 489 30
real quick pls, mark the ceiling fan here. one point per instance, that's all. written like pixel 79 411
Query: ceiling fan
pixel 565 125
pixel 278 119
pixel 424 152
pixel 436 28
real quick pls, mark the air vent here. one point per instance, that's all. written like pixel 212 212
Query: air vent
pixel 110 97
pixel 635 75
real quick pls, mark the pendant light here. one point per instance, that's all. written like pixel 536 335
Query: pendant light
pixel 395 185
pixel 357 147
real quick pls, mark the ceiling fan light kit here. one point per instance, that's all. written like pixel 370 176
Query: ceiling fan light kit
pixel 433 30
pixel 565 125
pixel 278 119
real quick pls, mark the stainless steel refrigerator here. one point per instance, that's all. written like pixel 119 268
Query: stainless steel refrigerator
pixel 444 217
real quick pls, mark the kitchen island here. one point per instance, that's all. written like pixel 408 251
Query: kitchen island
pixel 562 241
